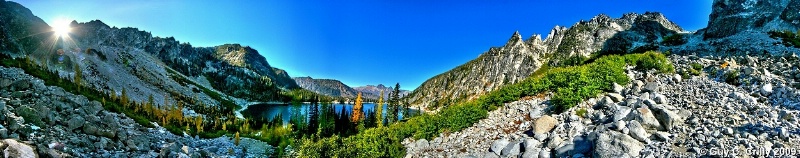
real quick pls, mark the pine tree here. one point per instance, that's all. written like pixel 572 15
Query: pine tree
pixel 77 79
pixel 124 98
pixel 395 103
pixel 358 113
pixel 313 115
pixel 379 111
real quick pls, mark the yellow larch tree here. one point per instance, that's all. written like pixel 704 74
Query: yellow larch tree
pixel 357 112
pixel 379 110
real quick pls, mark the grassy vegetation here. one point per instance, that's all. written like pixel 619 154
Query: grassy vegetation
pixel 570 85
pixel 789 38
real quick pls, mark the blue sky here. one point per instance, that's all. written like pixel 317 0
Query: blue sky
pixel 360 42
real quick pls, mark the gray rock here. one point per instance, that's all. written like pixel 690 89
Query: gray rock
pixel 15 122
pixel 638 132
pixel 677 78
pixel 663 136
pixel 616 97
pixel 4 83
pixel 579 145
pixel 512 149
pixel 3 132
pixel 544 153
pixel 531 153
pixel 617 88
pixel 531 144
pixel 555 141
pixel 422 143
pixel 621 113
pixel 499 145
pixel 667 118
pixel 766 89
pixel 540 136
pixel 651 87
pixel 490 155
pixel 75 123
pixel 16 149
pixel 20 85
pixel 660 99
pixel 615 144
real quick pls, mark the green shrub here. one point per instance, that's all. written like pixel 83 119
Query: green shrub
pixel 732 77
pixel 674 40
pixel 789 38
pixel 581 112
pixel 696 66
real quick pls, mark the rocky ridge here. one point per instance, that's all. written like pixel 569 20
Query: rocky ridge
pixel 519 58
pixel 375 91
pixel 329 87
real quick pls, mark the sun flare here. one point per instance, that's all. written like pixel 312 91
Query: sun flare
pixel 61 27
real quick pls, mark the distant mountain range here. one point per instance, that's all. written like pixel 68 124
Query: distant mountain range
pixel 336 88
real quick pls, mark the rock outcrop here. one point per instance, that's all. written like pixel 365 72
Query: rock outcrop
pixel 729 17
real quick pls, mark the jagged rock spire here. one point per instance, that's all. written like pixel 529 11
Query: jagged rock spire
pixel 515 39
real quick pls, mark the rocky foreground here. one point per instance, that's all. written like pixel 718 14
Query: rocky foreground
pixel 661 115
pixel 69 125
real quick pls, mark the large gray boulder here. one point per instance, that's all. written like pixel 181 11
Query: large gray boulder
pixel 17 150
pixel 615 144
pixel 579 145
pixel 512 149
pixel 498 146
pixel 646 118
pixel 667 118
pixel 638 132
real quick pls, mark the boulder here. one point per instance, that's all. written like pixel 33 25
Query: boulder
pixel 651 87
pixel 422 143
pixel 646 118
pixel 616 97
pixel 579 145
pixel 512 149
pixel 617 88
pixel 621 113
pixel 766 89
pixel 498 146
pixel 534 152
pixel 677 78
pixel 75 123
pixel 638 132
pixel 660 99
pixel 615 144
pixel 544 124
pixel 529 144
pixel 16 149
pixel 667 118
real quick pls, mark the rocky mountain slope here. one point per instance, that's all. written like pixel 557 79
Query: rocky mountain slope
pixel 121 63
pixel 735 94
pixel 329 87
pixel 519 58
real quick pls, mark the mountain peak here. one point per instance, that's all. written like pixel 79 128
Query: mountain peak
pixel 515 39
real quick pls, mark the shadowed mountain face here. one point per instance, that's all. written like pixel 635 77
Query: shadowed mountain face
pixel 329 87
pixel 519 58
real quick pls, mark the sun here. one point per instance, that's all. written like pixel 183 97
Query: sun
pixel 61 27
